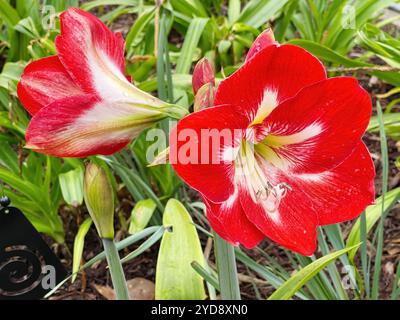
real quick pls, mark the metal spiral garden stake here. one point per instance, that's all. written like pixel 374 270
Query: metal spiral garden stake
pixel 28 267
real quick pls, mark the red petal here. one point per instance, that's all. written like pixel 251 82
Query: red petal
pixel 344 192
pixel 192 154
pixel 321 126
pixel 230 222
pixel 90 52
pixel 265 39
pixel 275 73
pixel 82 126
pixel 292 223
pixel 43 82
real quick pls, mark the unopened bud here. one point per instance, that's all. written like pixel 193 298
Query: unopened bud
pixel 204 97
pixel 99 199
pixel 203 73
pixel 265 39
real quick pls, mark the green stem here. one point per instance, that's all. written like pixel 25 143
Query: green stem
pixel 117 274
pixel 227 272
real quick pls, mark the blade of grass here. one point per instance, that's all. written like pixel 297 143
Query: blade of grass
pixel 227 272
pixel 190 43
pixel 144 246
pixel 396 284
pixel 385 177
pixel 206 275
pixel 299 279
pixel 364 256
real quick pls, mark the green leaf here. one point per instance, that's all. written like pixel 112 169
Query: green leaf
pixel 373 213
pixel 141 215
pixel 9 158
pixel 101 256
pixel 300 278
pixel 140 24
pixel 8 13
pixel 326 53
pixel 233 11
pixel 190 8
pixel 380 230
pixel 257 12
pixel 79 243
pixel 175 277
pixel 97 3
pixel 71 184
pixel 189 46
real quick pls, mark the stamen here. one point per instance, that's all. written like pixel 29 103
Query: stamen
pixel 249 173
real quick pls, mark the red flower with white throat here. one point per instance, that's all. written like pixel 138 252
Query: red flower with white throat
pixel 295 160
pixel 81 101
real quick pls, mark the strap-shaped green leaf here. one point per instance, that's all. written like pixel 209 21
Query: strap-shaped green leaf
pixel 300 278
pixel 79 243
pixel 373 213
pixel 175 277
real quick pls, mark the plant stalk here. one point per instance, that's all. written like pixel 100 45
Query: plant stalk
pixel 116 271
pixel 227 271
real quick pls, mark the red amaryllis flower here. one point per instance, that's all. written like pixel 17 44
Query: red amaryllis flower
pixel 82 103
pixel 295 159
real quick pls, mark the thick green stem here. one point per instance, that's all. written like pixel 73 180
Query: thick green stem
pixel 227 272
pixel 117 273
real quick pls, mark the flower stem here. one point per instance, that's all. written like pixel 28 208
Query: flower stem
pixel 227 272
pixel 117 274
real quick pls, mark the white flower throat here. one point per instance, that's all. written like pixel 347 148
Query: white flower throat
pixel 250 175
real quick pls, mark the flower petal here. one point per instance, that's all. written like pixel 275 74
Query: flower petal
pixel 43 82
pixel 202 147
pixel 84 125
pixel 320 127
pixel 342 193
pixel 287 220
pixel 273 75
pixel 230 222
pixel 92 54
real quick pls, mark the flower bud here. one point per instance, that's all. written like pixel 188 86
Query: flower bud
pixel 203 73
pixel 204 97
pixel 99 199
pixel 265 39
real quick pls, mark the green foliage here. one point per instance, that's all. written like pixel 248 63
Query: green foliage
pixel 180 246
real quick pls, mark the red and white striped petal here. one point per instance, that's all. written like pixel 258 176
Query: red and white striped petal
pixel 290 206
pixel 202 150
pixel 320 127
pixel 342 193
pixel 284 215
pixel 273 204
pixel 43 82
pixel 273 75
pixel 94 57
pixel 81 126
pixel 92 53
pixel 230 222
